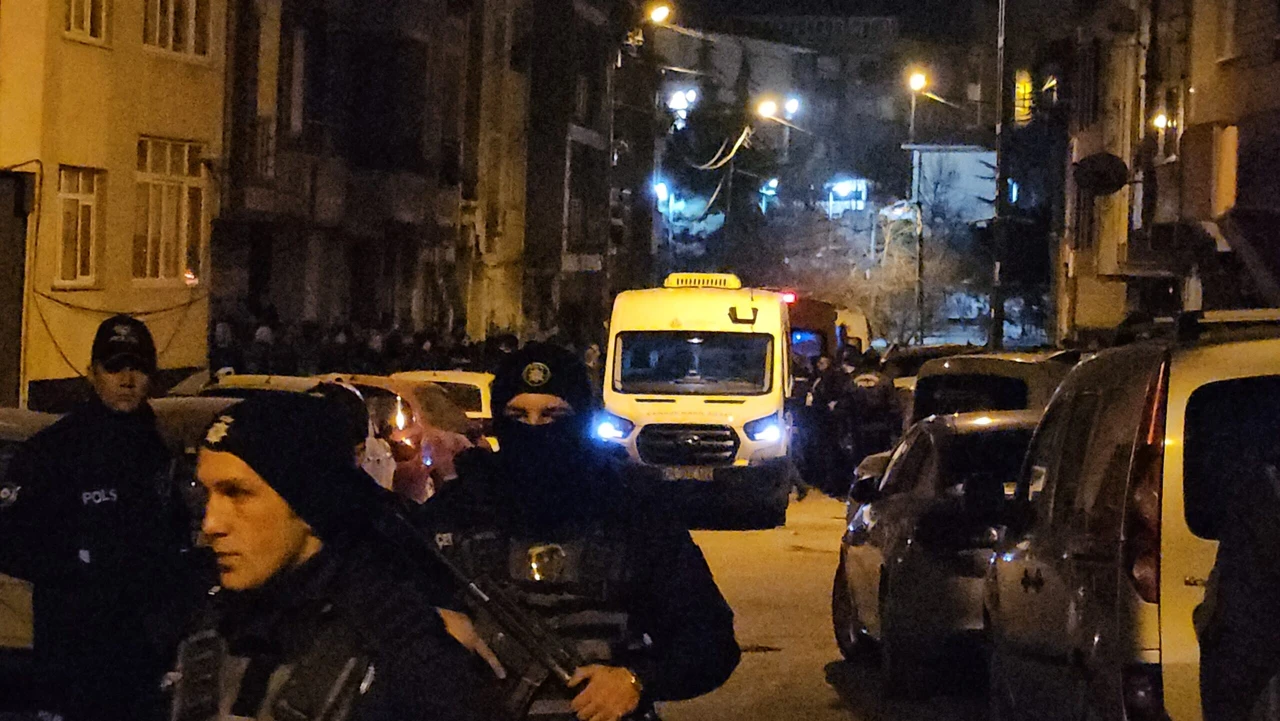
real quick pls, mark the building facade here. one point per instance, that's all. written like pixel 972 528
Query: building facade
pixel 1180 93
pixel 111 119
pixel 345 176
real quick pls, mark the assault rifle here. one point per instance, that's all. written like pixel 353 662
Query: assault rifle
pixel 549 654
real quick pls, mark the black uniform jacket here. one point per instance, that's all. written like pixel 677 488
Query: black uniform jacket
pixel 99 531
pixel 419 671
pixel 670 594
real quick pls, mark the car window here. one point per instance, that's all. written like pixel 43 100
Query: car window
pixel 904 471
pixel 989 457
pixel 1042 458
pixel 442 412
pixel 1075 444
pixel 1104 472
pixel 7 451
pixel 466 396
pixel 1231 436
pixel 387 410
pixel 964 393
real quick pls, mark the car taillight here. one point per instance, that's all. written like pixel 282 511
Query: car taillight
pixel 1146 492
pixel 1144 693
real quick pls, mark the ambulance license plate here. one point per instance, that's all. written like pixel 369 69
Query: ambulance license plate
pixel 689 473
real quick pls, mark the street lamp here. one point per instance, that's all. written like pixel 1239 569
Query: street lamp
pixel 917 82
pixel 768 109
pixel 792 107
pixel 660 13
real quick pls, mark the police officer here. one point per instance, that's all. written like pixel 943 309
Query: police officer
pixel 98 529
pixel 315 618
pixel 580 541
pixel 869 406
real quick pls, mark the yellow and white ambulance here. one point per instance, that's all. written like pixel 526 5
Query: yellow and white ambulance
pixel 697 376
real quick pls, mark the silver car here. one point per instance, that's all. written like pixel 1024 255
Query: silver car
pixel 919 538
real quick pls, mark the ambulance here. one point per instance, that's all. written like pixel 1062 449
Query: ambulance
pixel 696 381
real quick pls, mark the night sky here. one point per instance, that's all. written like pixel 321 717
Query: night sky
pixel 918 17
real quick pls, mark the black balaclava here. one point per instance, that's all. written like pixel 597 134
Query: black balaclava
pixel 547 471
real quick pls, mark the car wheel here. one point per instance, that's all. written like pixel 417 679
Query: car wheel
pixel 850 639
pixel 902 668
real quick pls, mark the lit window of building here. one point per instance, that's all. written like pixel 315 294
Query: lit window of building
pixel 1022 102
pixel 169 211
pixel 180 26
pixel 79 192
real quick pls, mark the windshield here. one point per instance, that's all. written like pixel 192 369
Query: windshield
pixel 465 395
pixel 692 363
pixel 965 393
pixel 989 457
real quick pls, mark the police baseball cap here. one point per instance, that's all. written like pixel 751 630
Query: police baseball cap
pixel 300 444
pixel 124 342
pixel 545 369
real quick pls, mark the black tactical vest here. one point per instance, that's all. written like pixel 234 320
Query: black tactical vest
pixel 575 586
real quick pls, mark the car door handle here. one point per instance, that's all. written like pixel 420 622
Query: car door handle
pixel 1032 582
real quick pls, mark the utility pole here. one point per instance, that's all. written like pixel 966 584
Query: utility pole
pixel 995 336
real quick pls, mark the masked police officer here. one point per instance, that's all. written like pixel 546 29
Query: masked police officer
pixel 580 543
pixel 95 525
pixel 315 619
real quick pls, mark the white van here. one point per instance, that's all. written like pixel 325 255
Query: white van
pixel 696 379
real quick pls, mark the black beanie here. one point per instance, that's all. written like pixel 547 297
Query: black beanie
pixel 547 369
pixel 300 445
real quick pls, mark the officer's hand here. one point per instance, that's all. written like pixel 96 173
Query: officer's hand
pixel 464 632
pixel 609 695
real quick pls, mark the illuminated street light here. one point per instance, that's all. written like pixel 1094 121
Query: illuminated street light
pixel 792 107
pixel 768 109
pixel 1161 121
pixel 679 100
pixel 660 13
pixel 844 188
pixel 918 82
pixel 662 192
pixel 691 96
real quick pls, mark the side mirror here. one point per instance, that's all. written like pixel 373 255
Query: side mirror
pixel 865 490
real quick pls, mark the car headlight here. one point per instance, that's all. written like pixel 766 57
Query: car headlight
pixel 764 430
pixel 613 428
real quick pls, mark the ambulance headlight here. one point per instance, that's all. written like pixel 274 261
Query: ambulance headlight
pixel 613 428
pixel 764 430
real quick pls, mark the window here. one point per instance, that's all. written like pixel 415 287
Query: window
pixel 169 221
pixel 1022 98
pixel 86 20
pixel 1226 161
pixel 908 465
pixel 694 363
pixel 1065 482
pixel 948 393
pixel 79 190
pixel 1231 456
pixel 181 26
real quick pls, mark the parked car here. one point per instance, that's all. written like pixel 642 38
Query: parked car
pixel 989 382
pixel 425 428
pixel 1090 597
pixel 244 385
pixel 903 363
pixel 919 538
pixel 470 391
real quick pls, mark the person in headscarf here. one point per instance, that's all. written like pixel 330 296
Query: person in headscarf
pixel 586 543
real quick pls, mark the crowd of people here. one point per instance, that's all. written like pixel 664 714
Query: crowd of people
pixel 844 411
pixel 333 598
pixel 269 347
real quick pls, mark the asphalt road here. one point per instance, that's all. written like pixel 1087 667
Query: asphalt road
pixel 779 584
